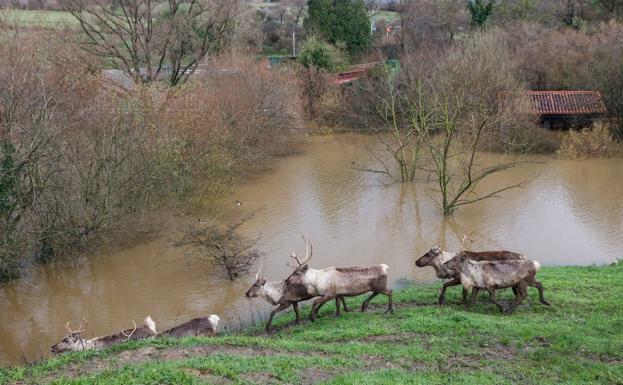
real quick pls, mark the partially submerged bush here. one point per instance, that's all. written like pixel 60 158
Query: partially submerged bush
pixel 592 142
pixel 221 245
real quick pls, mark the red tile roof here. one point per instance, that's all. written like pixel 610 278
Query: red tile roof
pixel 562 102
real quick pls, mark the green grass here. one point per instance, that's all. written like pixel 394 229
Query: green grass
pixel 579 340
pixel 388 16
pixel 43 19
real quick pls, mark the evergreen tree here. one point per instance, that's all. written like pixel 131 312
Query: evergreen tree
pixel 340 22
pixel 480 11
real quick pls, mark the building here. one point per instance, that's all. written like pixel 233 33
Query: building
pixel 560 109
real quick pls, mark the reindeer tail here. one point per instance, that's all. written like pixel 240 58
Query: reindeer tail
pixel 214 319
pixel 150 323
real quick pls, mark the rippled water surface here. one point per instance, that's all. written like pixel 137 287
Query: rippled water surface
pixel 570 214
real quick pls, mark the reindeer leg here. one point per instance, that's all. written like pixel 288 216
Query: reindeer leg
pixel 365 303
pixel 344 304
pixel 316 306
pixel 337 306
pixel 472 298
pixel 464 298
pixel 281 307
pixel 295 306
pixel 522 289
pixel 492 295
pixel 539 286
pixel 390 307
pixel 442 295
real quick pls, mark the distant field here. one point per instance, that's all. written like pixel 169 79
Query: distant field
pixel 388 16
pixel 46 19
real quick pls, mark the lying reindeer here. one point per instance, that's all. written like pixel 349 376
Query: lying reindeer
pixel 493 275
pixel 334 282
pixel 436 258
pixel 275 293
pixel 74 342
pixel 202 326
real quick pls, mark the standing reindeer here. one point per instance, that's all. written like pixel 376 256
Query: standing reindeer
pixel 276 293
pixel 436 258
pixel 74 342
pixel 493 275
pixel 334 282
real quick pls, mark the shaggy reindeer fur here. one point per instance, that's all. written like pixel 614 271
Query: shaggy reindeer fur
pixel 493 275
pixel 336 281
pixel 74 342
pixel 202 326
pixel 436 258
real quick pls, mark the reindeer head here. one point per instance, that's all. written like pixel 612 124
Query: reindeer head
pixel 427 259
pixel 73 341
pixel 455 263
pixel 258 285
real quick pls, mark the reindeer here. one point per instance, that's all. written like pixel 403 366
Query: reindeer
pixel 334 282
pixel 74 342
pixel 436 258
pixel 202 326
pixel 492 275
pixel 276 294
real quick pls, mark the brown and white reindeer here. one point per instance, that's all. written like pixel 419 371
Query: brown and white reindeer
pixel 493 275
pixel 436 258
pixel 334 282
pixel 74 342
pixel 276 294
pixel 202 326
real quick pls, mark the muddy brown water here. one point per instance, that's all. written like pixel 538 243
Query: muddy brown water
pixel 571 214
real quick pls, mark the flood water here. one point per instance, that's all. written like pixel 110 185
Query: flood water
pixel 570 214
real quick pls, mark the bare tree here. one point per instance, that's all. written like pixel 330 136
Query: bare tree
pixel 221 245
pixel 298 8
pixel 389 120
pixel 147 39
pixel 439 113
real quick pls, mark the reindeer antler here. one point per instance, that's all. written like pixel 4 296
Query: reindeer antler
pixel 467 238
pixel 257 275
pixel 86 324
pixel 71 331
pixel 308 253
pixel 296 258
pixel 129 335
pixel 308 249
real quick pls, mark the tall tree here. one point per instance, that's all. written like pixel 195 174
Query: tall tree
pixel 146 38
pixel 341 22
pixel 480 11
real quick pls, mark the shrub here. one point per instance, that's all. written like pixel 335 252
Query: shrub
pixel 593 142
pixel 318 54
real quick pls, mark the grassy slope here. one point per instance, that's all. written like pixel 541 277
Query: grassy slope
pixel 46 19
pixel 579 340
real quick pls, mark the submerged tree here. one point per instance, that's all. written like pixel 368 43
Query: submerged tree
pixel 149 39
pixel 221 245
pixel 438 113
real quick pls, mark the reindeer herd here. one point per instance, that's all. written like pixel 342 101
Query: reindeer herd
pixel 486 270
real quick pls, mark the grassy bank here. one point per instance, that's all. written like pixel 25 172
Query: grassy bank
pixel 579 340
